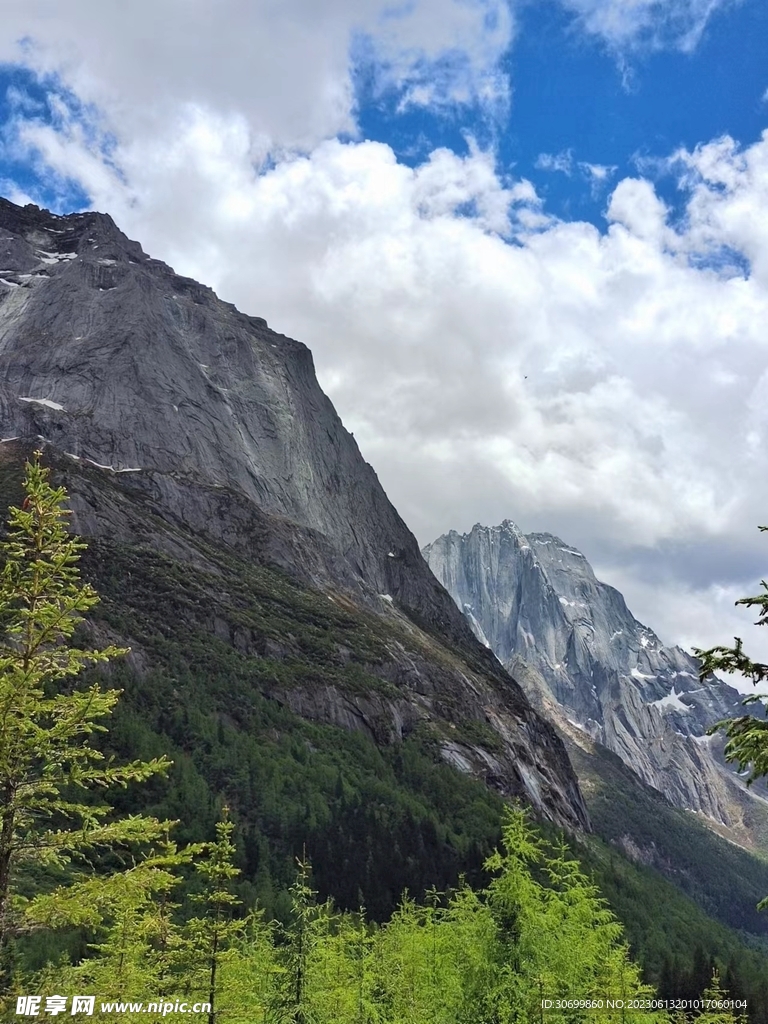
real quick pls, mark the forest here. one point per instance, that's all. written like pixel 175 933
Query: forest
pixel 369 886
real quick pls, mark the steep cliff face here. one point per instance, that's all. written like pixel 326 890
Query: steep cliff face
pixel 117 360
pixel 581 655
pixel 177 422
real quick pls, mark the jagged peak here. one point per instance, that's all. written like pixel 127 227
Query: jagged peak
pixel 573 642
pixel 505 526
pixel 76 234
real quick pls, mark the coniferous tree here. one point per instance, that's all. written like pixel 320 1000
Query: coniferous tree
pixel 130 912
pixel 747 736
pixel 362 945
pixel 210 938
pixel 560 938
pixel 298 948
pixel 718 1011
pixel 46 724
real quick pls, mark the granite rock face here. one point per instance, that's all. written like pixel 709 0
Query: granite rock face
pixel 149 391
pixel 582 656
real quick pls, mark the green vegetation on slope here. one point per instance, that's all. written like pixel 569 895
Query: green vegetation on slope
pixel 212 647
pixel 726 881
pixel 374 819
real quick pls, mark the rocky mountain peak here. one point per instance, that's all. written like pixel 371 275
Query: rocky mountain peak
pixel 571 640
pixel 161 404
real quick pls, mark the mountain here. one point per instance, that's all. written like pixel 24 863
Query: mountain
pixel 587 662
pixel 291 651
pixel 192 433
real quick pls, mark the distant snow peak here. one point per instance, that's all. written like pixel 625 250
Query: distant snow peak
pixel 47 402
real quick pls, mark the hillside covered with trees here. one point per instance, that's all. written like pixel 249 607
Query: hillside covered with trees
pixel 130 877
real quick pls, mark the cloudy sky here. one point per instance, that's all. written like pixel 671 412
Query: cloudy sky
pixel 526 240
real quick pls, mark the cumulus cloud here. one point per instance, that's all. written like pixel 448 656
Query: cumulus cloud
pixel 728 209
pixel 492 360
pixel 596 175
pixel 283 66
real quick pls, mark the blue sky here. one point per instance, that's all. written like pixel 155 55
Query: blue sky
pixel 574 96
pixel 23 90
pixel 414 190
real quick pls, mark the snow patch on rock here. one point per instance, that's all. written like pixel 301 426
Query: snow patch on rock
pixel 672 700
pixel 47 402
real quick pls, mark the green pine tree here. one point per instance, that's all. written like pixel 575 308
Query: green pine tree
pixel 747 736
pixel 717 1010
pixel 556 935
pixel 303 909
pixel 46 723
pixel 210 940
pixel 130 913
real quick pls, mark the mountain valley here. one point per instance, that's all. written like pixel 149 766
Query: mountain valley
pixel 292 651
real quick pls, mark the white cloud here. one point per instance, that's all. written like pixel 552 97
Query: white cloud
pixel 635 205
pixel 562 162
pixel 656 24
pixel 11 191
pixel 729 204
pixel 597 175
pixel 491 360
pixel 283 66
pixel 444 55
pixel 600 172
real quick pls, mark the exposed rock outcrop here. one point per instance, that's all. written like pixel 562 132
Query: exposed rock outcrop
pixel 173 416
pixel 584 659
